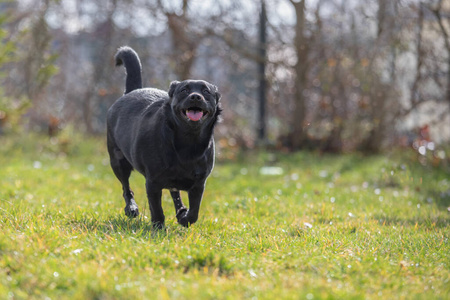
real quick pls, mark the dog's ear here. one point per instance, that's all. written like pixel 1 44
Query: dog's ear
pixel 217 94
pixel 173 86
pixel 218 97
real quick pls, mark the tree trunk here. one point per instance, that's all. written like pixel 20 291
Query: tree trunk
pixel 101 67
pixel 446 37
pixel 184 42
pixel 298 118
pixel 262 75
pixel 380 96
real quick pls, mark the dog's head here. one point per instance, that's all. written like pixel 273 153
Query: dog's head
pixel 194 102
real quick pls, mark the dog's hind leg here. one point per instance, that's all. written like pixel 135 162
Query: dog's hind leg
pixel 122 168
pixel 180 210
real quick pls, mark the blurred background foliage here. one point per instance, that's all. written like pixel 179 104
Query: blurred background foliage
pixel 326 75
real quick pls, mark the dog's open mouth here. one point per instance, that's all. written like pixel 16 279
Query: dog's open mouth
pixel 195 113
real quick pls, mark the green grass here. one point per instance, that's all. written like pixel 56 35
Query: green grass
pixel 329 227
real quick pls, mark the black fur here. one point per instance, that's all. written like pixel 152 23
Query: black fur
pixel 129 58
pixel 149 130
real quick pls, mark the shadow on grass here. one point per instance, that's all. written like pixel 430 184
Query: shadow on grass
pixel 121 225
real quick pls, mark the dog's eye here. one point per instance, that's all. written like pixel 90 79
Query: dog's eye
pixel 206 91
pixel 184 91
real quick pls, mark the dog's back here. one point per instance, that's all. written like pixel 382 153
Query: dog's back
pixel 123 116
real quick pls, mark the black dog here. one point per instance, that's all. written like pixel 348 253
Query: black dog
pixel 166 136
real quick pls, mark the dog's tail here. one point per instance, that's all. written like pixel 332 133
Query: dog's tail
pixel 129 58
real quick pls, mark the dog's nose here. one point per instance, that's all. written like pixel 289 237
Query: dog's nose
pixel 195 96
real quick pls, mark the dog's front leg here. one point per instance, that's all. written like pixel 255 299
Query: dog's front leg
pixel 195 198
pixel 154 202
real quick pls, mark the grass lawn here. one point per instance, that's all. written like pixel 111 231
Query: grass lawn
pixel 328 227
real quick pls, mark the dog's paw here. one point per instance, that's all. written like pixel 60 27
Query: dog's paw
pixel 184 221
pixel 132 211
pixel 182 217
pixel 158 225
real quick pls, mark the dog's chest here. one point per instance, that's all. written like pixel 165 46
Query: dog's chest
pixel 185 176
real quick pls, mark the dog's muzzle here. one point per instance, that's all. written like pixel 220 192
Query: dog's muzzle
pixel 196 107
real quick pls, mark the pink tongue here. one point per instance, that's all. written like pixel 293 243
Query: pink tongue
pixel 194 115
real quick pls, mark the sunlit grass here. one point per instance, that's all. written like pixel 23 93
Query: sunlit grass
pixel 348 227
